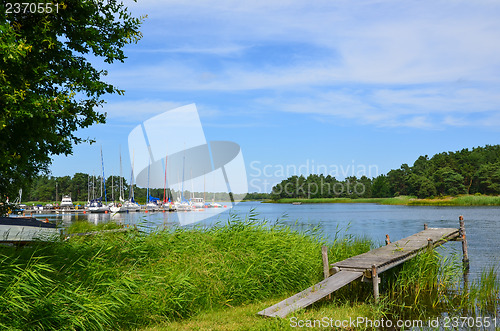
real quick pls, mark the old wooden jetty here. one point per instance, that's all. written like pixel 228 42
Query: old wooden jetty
pixel 368 266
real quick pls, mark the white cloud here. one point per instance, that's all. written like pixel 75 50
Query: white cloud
pixel 389 63
pixel 138 110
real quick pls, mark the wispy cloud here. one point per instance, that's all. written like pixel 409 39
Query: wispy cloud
pixel 387 63
pixel 138 110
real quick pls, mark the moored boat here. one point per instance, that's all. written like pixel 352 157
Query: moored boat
pixel 198 203
pixel 66 203
pixel 25 229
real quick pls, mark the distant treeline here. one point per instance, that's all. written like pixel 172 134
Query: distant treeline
pixel 449 173
pixel 475 171
pixel 83 187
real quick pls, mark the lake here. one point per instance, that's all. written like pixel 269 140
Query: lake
pixel 370 220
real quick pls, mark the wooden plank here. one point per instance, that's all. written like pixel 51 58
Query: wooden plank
pixel 372 263
pixel 397 252
pixel 311 294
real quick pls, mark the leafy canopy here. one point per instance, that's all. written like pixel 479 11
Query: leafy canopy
pixel 48 86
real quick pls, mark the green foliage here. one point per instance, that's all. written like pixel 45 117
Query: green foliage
pixel 132 279
pixel 49 87
pixel 380 187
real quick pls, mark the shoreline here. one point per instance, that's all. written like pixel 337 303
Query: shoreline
pixel 465 200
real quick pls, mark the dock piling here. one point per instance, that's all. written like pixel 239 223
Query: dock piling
pixel 426 226
pixel 465 259
pixel 430 244
pixel 375 281
pixel 326 265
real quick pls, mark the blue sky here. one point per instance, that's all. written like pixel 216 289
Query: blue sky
pixel 342 84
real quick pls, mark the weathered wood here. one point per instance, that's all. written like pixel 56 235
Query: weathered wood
pixel 464 242
pixel 426 226
pixel 368 265
pixel 398 252
pixel 430 244
pixel 326 266
pixel 311 294
pixel 334 270
pixel 375 282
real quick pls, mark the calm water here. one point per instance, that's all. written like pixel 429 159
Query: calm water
pixel 370 220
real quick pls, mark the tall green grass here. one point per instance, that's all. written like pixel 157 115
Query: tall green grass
pixel 432 284
pixel 133 279
pixel 129 280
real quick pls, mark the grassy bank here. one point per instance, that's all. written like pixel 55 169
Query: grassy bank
pixel 127 280
pixel 215 278
pixel 465 200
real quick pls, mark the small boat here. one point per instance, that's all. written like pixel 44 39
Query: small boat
pixel 296 203
pixel 130 205
pixel 152 206
pixel 25 229
pixel 66 203
pixel 116 207
pixel 198 203
pixel 96 206
pixel 183 206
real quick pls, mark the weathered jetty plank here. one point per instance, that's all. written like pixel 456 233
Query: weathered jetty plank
pixel 369 264
pixel 311 294
pixel 398 252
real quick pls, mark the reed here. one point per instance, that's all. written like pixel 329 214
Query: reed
pixel 130 280
pixel 134 279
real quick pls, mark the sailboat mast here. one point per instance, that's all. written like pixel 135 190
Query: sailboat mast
pixel 147 192
pixel 112 189
pixel 103 180
pixel 121 177
pixel 192 184
pixel 165 182
pixel 131 192
pixel 88 189
pixel 182 187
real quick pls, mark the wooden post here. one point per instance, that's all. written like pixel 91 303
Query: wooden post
pixel 387 239
pixel 430 244
pixel 326 266
pixel 375 281
pixel 426 226
pixel 465 259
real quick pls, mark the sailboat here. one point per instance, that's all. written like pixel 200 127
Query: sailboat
pixel 130 205
pixel 96 205
pixel 114 207
pixel 118 207
pixel 167 204
pixel 152 202
pixel 182 204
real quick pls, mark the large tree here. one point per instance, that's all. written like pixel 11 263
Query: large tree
pixel 49 85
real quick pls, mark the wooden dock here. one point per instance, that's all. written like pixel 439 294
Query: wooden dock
pixel 368 266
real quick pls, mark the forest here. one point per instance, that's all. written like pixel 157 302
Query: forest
pixel 475 171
